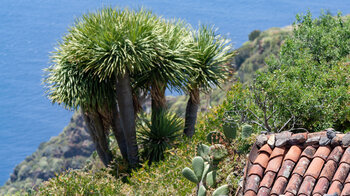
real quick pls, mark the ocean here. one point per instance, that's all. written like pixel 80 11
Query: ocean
pixel 30 29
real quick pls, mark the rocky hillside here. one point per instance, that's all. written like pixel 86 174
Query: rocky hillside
pixel 73 146
pixel 70 149
pixel 261 45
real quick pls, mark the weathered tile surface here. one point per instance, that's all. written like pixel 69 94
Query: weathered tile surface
pixel 302 165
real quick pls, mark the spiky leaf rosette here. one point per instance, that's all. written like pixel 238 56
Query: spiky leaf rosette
pixel 171 65
pixel 116 41
pixel 211 54
pixel 157 136
pixel 69 85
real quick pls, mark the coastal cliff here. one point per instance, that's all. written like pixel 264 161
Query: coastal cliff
pixel 70 149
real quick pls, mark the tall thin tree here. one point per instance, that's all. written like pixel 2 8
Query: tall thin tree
pixel 211 54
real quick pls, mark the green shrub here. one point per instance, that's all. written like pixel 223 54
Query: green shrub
pixel 77 182
pixel 305 88
pixel 308 86
pixel 158 136
pixel 253 35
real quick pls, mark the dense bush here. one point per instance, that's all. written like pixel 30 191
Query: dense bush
pixel 76 182
pixel 307 86
pixel 254 34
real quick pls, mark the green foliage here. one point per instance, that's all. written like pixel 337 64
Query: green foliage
pixel 306 87
pixel 322 40
pixel 160 135
pixel 81 183
pixel 253 35
pixel 309 84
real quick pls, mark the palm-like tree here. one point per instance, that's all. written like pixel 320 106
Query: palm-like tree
pixel 114 46
pixel 70 86
pixel 104 49
pixel 170 69
pixel 210 56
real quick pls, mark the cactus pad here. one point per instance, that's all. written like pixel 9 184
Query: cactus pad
pixel 211 179
pixel 198 166
pixel 202 191
pixel 190 175
pixel 217 152
pixel 215 137
pixel 203 151
pixel 230 130
pixel 247 130
pixel 222 190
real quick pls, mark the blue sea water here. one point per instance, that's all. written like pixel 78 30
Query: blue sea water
pixel 30 29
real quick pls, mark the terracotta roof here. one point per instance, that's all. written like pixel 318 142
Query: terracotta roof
pixel 299 164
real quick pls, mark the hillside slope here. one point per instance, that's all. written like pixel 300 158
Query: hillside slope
pixel 251 56
pixel 73 146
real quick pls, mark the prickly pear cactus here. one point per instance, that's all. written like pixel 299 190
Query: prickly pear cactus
pixel 190 175
pixel 203 151
pixel 202 191
pixel 206 170
pixel 222 190
pixel 247 130
pixel 230 130
pixel 198 166
pixel 211 179
pixel 217 152
pixel 215 137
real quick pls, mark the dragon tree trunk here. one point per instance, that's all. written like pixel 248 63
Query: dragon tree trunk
pixel 158 99
pixel 191 112
pixel 127 116
pixel 99 134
